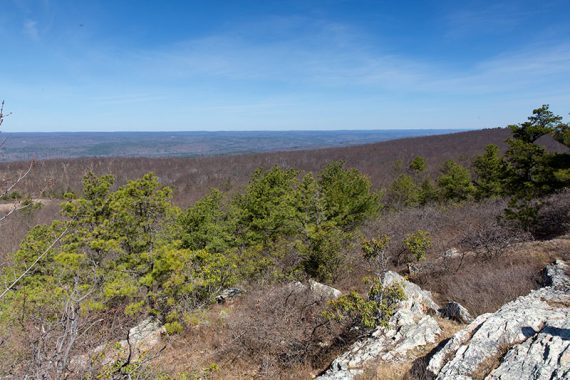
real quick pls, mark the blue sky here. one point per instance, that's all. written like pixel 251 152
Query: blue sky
pixel 113 65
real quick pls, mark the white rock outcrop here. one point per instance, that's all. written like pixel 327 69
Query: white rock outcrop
pixel 545 356
pixel 228 294
pixel 144 336
pixel 322 291
pixel 413 325
pixel 528 338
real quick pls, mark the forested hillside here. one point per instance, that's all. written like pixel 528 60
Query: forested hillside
pixel 191 178
pixel 231 258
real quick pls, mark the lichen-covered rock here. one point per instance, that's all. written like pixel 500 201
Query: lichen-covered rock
pixel 527 338
pixel 455 311
pixel 411 326
pixel 544 356
pixel 144 336
pixel 417 300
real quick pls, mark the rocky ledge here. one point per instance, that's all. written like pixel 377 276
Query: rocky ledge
pixel 413 325
pixel 528 338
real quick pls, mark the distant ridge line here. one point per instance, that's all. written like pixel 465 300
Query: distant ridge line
pixel 61 145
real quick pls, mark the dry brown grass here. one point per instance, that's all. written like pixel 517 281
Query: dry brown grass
pixel 269 333
pixel 484 286
pixel 197 347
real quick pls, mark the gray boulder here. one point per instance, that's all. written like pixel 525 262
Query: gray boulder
pixel 145 335
pixel 455 311
pixel 321 290
pixel 142 339
pixel 452 253
pixel 555 275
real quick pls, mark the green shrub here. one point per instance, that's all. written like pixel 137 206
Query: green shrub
pixel 454 182
pixel 418 243
pixel 374 311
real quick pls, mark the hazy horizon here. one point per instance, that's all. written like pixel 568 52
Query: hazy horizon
pixel 244 131
pixel 48 145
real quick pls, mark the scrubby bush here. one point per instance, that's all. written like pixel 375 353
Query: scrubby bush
pixel 321 253
pixel 375 310
pixel 375 250
pixel 418 165
pixel 404 192
pixel 279 329
pixel 492 239
pixel 418 243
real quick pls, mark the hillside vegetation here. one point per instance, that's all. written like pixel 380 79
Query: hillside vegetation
pixel 123 250
pixel 192 178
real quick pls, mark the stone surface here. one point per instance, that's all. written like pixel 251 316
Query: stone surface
pixel 321 290
pixel 324 290
pixel 143 338
pixel 439 359
pixel 410 327
pixel 527 338
pixel 452 253
pixel 455 311
pixel 417 300
pixel 227 294
pixel 545 356
pixel 555 275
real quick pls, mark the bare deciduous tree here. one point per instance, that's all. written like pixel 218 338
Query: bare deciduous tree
pixel 5 192
pixel 55 340
pixel 492 239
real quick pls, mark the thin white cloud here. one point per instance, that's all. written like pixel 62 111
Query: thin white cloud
pixel 323 64
pixel 533 69
pixel 129 98
pixel 31 29
pixel 496 17
pixel 331 57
